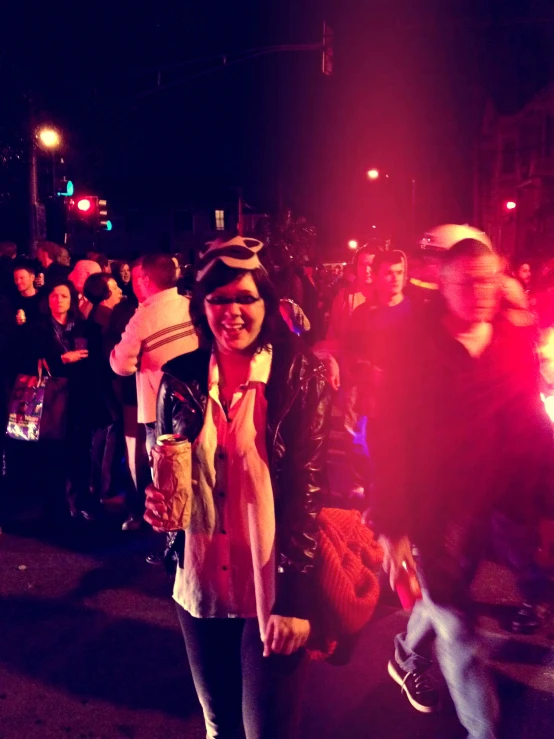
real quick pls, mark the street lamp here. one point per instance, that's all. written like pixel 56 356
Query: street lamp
pixel 375 174
pixel 511 205
pixel 352 244
pixel 49 137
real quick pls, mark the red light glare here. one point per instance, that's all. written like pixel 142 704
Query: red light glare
pixel 84 205
pixel 373 174
pixel 510 205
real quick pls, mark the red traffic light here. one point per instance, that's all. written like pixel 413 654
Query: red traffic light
pixel 84 205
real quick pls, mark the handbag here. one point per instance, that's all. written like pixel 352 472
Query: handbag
pixel 38 406
pixel 346 584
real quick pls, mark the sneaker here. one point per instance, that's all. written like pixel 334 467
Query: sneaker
pixel 417 686
pixel 132 523
pixel 526 620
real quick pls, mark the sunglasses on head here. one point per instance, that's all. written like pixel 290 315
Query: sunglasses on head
pixel 238 299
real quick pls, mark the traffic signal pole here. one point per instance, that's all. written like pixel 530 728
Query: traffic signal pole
pixel 229 60
pixel 32 184
pixel 240 225
pixel 33 198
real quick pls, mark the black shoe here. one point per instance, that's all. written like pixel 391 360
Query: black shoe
pixel 417 686
pixel 526 620
pixel 155 558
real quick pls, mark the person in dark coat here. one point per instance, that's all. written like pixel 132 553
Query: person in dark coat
pixel 28 298
pixel 108 474
pixel 54 260
pixel 71 348
pixel 257 410
pixel 463 449
pixel 126 391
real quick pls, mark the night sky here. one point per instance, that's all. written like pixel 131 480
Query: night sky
pixel 408 92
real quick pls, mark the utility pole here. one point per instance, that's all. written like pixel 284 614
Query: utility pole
pixel 477 210
pixel 280 198
pixel 33 183
pixel 240 224
pixel 327 62
pixel 413 234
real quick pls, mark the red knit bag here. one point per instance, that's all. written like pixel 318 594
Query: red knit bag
pixel 346 583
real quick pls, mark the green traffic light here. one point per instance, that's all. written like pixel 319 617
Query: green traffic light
pixel 70 190
pixel 109 225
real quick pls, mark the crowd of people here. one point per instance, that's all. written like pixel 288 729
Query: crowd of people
pixel 433 361
pixel 68 318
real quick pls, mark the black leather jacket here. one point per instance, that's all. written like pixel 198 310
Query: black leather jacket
pixel 298 420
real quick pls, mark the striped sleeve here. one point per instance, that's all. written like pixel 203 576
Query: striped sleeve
pixel 167 335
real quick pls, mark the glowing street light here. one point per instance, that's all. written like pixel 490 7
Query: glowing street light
pixel 49 137
pixel 352 244
pixel 511 205
pixel 373 174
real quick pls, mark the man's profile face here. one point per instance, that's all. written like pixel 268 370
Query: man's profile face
pixel 471 287
pixel 363 269
pixel 524 274
pixel 42 257
pixel 137 280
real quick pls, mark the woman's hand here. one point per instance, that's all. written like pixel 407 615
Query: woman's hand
pixel 74 356
pixel 332 372
pixel 156 509
pixel 285 635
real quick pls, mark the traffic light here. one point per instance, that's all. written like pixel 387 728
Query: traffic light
pixel 85 207
pixel 103 214
pixel 327 65
pixel 92 210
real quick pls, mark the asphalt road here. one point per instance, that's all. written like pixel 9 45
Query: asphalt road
pixel 90 648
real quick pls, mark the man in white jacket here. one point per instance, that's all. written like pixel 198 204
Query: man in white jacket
pixel 160 330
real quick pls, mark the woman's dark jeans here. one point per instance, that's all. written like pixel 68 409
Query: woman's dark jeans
pixel 236 685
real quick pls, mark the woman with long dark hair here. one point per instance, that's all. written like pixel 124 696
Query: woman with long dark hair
pixel 71 348
pixel 121 272
pixel 256 406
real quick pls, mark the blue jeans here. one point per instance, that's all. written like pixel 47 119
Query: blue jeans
pixel 457 650
pixel 236 685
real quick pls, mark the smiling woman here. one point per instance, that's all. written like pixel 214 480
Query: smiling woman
pixel 257 411
pixel 237 308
